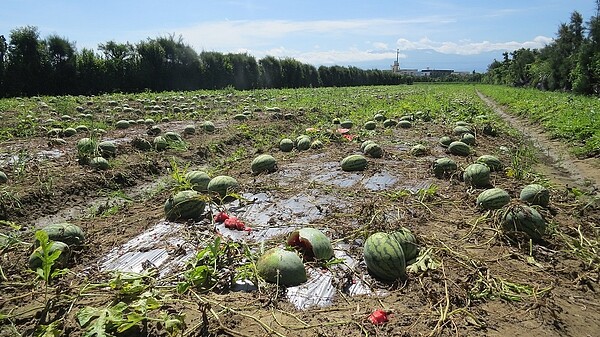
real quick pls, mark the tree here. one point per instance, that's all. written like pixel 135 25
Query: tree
pixel 27 62
pixel 119 64
pixel 63 65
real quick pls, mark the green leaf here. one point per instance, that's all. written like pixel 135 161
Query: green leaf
pixel 85 314
pixel 133 319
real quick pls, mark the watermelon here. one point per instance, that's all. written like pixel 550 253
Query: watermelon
pixel 419 150
pixel 355 162
pixel 286 145
pixel 35 261
pixel 408 242
pixel 384 257
pixel 312 243
pixel 493 198
pixel 141 144
pixel 172 136
pixel 468 139
pixel 3 177
pixel 336 121
pixel 122 124
pixel 364 144
pixel 535 194
pixel 154 130
pixel 370 125
pixel 184 205
pixel 405 124
pixel 373 150
pixel 317 144
pixel 460 130
pixel 189 129
pixel 82 128
pixel 459 148
pixel 477 175
pixel 379 117
pixel 160 143
pixel 86 147
pixel 281 267
pixel 389 123
pixel 303 143
pixel 444 166
pixel 198 179
pixel 461 123
pixel 99 163
pixel 68 132
pixel 240 117
pixel 223 185
pixel 263 163
pixel 107 148
pixel 208 126
pixel 149 121
pixel 65 232
pixel 347 124
pixel 526 219
pixel 445 141
pixel 490 161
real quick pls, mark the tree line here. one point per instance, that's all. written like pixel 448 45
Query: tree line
pixel 30 65
pixel 570 63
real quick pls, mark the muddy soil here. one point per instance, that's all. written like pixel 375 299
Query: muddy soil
pixel 478 282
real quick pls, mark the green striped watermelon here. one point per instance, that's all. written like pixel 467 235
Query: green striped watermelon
pixel 459 148
pixel 408 242
pixel 493 198
pixel 526 219
pixel 370 125
pixel 198 179
pixel 355 162
pixel 35 260
pixel 222 185
pixel 477 175
pixel 184 205
pixel 384 257
pixel 535 194
pixel 373 150
pixel 443 167
pixel 491 161
pixel 65 232
pixel 286 145
pixel 263 163
pixel 282 267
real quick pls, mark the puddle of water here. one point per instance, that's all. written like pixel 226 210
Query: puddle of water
pixel 380 181
pixel 17 159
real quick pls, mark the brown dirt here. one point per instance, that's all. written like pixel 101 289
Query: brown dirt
pixel 465 296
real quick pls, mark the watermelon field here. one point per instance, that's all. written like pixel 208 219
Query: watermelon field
pixel 412 210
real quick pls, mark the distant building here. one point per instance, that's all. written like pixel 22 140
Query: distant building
pixel 415 72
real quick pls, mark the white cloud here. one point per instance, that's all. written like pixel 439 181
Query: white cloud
pixel 228 35
pixel 330 57
pixel 466 47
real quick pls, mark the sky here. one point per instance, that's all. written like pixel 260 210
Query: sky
pixel 464 35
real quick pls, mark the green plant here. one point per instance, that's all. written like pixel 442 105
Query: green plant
pixel 211 265
pixel 46 272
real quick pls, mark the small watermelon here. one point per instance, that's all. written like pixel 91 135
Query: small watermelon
pixel 281 267
pixel 264 163
pixel 526 219
pixel 535 194
pixel 477 175
pixel 355 162
pixel 223 185
pixel 286 145
pixel 184 205
pixel 493 198
pixel 384 257
pixel 198 179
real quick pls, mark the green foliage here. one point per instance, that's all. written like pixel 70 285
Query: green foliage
pixel 47 272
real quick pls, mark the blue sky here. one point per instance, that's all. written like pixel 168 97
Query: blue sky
pixel 461 35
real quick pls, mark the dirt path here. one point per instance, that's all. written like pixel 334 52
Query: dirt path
pixel 556 161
